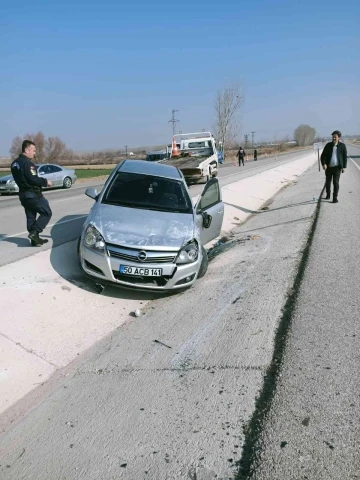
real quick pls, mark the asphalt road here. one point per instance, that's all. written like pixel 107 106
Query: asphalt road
pixel 170 395
pixel 312 429
pixel 177 393
pixel 70 208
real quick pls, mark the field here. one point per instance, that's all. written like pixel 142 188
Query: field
pixel 80 173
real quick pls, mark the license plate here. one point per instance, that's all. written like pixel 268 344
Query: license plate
pixel 140 271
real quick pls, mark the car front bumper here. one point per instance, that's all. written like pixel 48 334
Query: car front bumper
pixel 106 269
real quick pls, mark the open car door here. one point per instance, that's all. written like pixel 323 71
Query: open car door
pixel 210 212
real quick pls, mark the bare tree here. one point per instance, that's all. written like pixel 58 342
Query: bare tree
pixel 15 149
pixel 304 135
pixel 228 102
pixel 54 149
pixel 47 150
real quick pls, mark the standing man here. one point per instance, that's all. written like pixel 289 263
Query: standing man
pixel 30 193
pixel 334 162
pixel 255 155
pixel 241 155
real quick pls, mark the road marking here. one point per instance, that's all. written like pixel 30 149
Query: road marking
pixel 356 165
pixel 49 226
pixel 65 199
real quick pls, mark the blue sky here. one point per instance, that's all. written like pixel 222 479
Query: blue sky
pixel 107 74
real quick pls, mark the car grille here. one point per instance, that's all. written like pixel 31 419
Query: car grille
pixel 132 255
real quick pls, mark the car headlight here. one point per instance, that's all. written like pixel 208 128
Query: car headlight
pixel 11 182
pixel 189 253
pixel 93 239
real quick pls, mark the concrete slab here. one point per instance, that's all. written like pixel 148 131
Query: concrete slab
pixel 20 371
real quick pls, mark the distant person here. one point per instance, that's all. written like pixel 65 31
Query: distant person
pixel 255 155
pixel 241 156
pixel 334 162
pixel 30 193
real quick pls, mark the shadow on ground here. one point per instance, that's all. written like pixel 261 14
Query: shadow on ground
pixel 19 241
pixel 64 260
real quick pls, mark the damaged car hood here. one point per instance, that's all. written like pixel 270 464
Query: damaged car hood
pixel 131 227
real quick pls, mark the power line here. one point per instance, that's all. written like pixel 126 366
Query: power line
pixel 252 138
pixel 173 120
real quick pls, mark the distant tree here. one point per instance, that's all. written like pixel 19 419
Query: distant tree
pixel 50 149
pixel 304 135
pixel 228 102
pixel 54 149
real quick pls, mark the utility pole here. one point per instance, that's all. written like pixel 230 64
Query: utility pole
pixel 252 138
pixel 246 139
pixel 126 151
pixel 174 121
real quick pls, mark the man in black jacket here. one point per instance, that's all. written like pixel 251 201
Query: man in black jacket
pixel 241 155
pixel 334 162
pixel 30 193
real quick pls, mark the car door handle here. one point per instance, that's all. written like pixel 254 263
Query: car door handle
pixel 220 212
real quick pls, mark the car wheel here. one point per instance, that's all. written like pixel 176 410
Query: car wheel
pixel 67 182
pixel 204 263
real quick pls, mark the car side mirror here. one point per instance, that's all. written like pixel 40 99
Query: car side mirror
pixel 92 193
pixel 206 219
pixel 41 173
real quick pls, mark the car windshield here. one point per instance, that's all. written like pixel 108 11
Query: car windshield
pixel 147 192
pixel 155 157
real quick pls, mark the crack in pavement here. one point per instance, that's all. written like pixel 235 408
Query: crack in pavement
pixel 29 350
pixel 210 369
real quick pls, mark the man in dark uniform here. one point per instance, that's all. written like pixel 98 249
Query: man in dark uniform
pixel 30 193
pixel 334 162
pixel 241 155
pixel 255 155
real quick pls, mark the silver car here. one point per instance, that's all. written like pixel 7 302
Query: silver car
pixel 144 232
pixel 60 177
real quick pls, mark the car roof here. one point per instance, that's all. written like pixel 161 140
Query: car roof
pixel 149 168
pixel 46 164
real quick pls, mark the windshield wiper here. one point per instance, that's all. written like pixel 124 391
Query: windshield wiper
pixel 121 204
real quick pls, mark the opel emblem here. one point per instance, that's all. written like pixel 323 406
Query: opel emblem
pixel 142 256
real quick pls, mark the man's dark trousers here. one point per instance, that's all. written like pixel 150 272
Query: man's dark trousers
pixel 332 173
pixel 33 207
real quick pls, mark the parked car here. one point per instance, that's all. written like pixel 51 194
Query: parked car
pixel 60 177
pixel 144 231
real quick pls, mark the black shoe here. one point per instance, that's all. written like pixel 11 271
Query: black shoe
pixel 36 241
pixel 327 197
pixel 34 244
pixel 44 240
pixel 335 200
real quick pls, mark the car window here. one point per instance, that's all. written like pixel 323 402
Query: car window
pixel 55 169
pixel 147 192
pixel 210 197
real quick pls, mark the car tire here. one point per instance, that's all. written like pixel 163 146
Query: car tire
pixel 67 182
pixel 204 263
